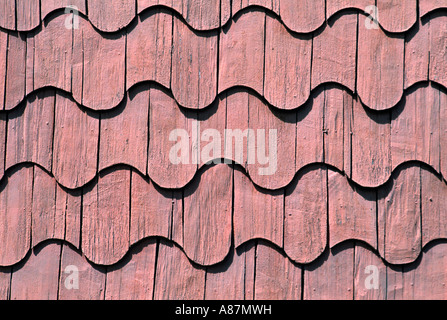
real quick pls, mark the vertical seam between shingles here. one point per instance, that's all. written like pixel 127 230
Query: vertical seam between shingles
pixel 254 268
pixel 32 204
pixel 157 251
pixel 59 275
pixel 353 269
pixel 15 15
pixel 6 72
pixel 264 53
pixel 130 207
pixel 148 136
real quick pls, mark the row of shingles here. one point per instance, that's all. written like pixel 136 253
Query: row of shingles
pixel 169 54
pixel 329 129
pixel 160 270
pixel 304 16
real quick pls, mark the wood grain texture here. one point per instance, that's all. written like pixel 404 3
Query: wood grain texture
pixel 176 278
pixel 438 44
pixel 110 18
pixel 334 53
pixel 305 222
pixel 241 55
pixel 28 14
pixel 68 206
pixel 399 216
pixel 397 16
pixel 105 218
pixel 98 67
pixel 5 283
pixel 334 6
pixel 38 278
pixel 258 213
pixel 133 278
pixel 91 279
pixel 194 66
pixel 238 5
pixel 168 120
pixel 51 53
pixel 415 126
pixel 277 278
pixel 287 65
pixel 430 5
pixel 3 65
pixel 371 146
pixel 153 210
pixel 417 54
pixel 149 46
pixel 380 68
pixel 30 131
pixel 433 209
pixel 48 6
pixel 442 133
pixel 352 211
pixel 331 276
pixel 8 14
pixel 3 136
pixel 15 71
pixel 124 133
pixel 302 16
pixel 75 148
pixel 207 215
pixel 15 214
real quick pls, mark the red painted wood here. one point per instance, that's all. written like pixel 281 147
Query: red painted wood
pixel 46 223
pixel 15 214
pixel 207 215
pixel 334 53
pixel 287 65
pixel 331 276
pixel 28 14
pixel 194 66
pixel 3 65
pixel 176 278
pixel 417 54
pixel 238 5
pixel 15 71
pixel 98 67
pixel 76 134
pixel 241 55
pixel 8 14
pixel 397 16
pixel 434 204
pixel 105 217
pixel 133 278
pixel 258 213
pixel 271 160
pixel 124 133
pixel 371 146
pixel 442 132
pixel 152 210
pixel 367 266
pixel 227 280
pixel 302 16
pixel 352 211
pixel 5 283
pixel 379 68
pixel 430 5
pixel 165 117
pixel 149 45
pixel 438 43
pixel 91 279
pixel 111 17
pixel 51 53
pixel 399 217
pixel 415 128
pixel 68 206
pixel 48 6
pixel 38 278
pixel 30 131
pixel 2 145
pixel 305 222
pixel 277 278
pixel 334 6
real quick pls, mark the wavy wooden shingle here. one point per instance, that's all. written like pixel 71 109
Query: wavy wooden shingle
pixel 334 53
pixel 15 71
pixel 15 212
pixel 438 54
pixel 238 5
pixel 106 218
pixel 397 16
pixel 75 146
pixel 380 68
pixel 124 133
pixel 417 54
pixel 302 16
pixel 110 18
pixel 48 6
pixel 277 278
pixel 68 206
pixel 148 51
pixel 194 66
pixel 305 216
pixel 8 14
pixel 30 131
pixel 257 213
pixel 287 64
pixel 98 67
pixel 241 55
pixel 399 217
pixel 431 5
pixel 334 6
pixel 38 278
pixel 27 14
pixel 207 215
pixel 352 211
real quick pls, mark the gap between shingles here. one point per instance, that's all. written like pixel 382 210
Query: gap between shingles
pixel 157 246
